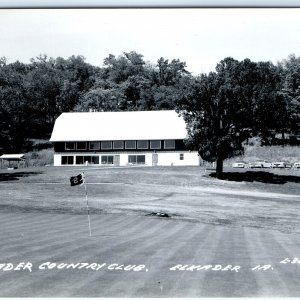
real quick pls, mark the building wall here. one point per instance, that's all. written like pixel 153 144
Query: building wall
pixel 190 158
pixel 57 160
pixel 175 158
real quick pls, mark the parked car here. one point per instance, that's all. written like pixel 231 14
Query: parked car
pixel 239 164
pixel 260 164
pixel 281 164
pixel 296 165
pixel 288 164
pixel 254 164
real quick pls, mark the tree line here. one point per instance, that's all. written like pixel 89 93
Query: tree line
pixel 238 100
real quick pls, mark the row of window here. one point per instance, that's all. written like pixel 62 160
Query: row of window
pixel 105 159
pixel 120 145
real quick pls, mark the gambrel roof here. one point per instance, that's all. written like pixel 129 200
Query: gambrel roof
pixel 109 126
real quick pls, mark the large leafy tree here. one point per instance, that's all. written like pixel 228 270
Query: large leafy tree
pixel 33 95
pixel 13 106
pixel 168 79
pixel 225 107
pixel 78 78
pixel 117 85
pixel 55 85
pixel 127 82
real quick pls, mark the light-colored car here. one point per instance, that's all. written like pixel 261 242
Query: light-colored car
pixel 266 164
pixel 288 164
pixel 281 164
pixel 296 165
pixel 260 164
pixel 239 164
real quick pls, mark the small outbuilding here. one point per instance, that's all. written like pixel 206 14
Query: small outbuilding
pixel 12 160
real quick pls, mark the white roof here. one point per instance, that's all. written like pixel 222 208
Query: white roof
pixel 108 126
pixel 12 156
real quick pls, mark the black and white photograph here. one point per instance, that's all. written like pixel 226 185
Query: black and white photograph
pixel 150 152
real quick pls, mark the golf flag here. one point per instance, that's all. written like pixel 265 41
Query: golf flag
pixel 76 180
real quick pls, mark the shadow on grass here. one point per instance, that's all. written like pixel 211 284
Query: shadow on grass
pixel 265 177
pixel 16 175
pixel 45 209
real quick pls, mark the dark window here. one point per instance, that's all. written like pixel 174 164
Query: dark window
pixel 181 156
pixel 87 159
pixel 95 160
pixel 140 159
pixel 67 160
pixel 107 159
pixel 80 160
pixel 70 146
pixel 64 160
pixel 169 144
pixel 81 145
pixel 106 145
pixel 155 144
pixel 142 144
pixel 130 144
pixel 94 145
pixel 118 145
pixel 132 159
pixel 136 159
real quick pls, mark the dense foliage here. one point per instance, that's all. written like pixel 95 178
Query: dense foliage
pixel 33 95
pixel 240 100
pixel 223 108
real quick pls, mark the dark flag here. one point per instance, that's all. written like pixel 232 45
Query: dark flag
pixel 76 180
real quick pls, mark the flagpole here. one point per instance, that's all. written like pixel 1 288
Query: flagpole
pixel 87 205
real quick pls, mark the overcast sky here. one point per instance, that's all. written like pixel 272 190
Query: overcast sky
pixel 200 37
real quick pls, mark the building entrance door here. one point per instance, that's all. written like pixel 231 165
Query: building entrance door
pixel 154 159
pixel 117 160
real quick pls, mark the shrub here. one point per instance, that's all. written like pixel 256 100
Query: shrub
pixel 39 158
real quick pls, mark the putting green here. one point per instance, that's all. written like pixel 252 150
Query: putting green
pixel 222 239
pixel 134 256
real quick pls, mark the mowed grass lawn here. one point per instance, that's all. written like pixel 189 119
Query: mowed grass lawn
pixel 216 233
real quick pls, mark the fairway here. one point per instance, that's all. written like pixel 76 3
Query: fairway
pixel 216 235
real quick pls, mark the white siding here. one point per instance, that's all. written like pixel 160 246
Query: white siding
pixel 149 159
pixel 173 158
pixel 191 158
pixel 57 160
pixel 123 159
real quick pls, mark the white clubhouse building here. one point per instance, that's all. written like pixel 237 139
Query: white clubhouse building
pixel 152 138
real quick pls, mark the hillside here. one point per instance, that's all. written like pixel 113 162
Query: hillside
pixel 254 152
